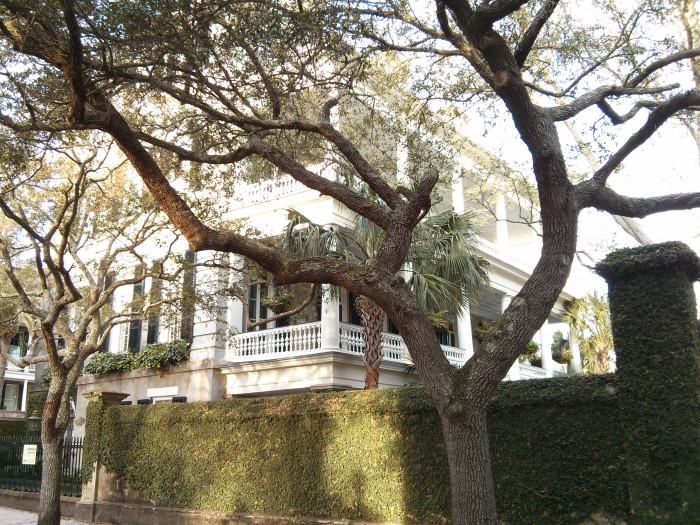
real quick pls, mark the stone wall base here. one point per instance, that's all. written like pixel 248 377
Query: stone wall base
pixel 134 514
pixel 30 501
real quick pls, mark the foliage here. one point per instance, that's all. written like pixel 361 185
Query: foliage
pixel 560 348
pixel 530 353
pixel 261 89
pixel 153 356
pixel 440 319
pixel 161 355
pixel 279 302
pixel 347 455
pixel 589 317
pixel 46 377
pixel 107 362
pixel 654 315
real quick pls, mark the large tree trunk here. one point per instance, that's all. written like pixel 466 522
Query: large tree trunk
pixel 372 325
pixel 51 474
pixel 53 426
pixel 467 443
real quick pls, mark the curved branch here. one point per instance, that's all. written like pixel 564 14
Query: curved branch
pixel 656 118
pixel 309 299
pixel 524 47
pixel 597 96
pixel 605 199
pixel 663 62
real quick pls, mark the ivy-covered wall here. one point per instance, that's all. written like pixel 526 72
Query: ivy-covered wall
pixel 653 314
pixel 626 446
pixel 374 456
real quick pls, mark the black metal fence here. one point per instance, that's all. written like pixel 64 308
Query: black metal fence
pixel 15 475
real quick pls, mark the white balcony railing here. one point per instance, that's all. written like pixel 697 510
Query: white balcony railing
pixel 269 190
pixel 305 339
pixel 531 372
pixel 300 339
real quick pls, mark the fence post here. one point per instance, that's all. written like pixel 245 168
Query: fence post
pixel 86 508
pixel 653 314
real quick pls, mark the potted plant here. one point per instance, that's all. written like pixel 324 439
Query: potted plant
pixel 280 302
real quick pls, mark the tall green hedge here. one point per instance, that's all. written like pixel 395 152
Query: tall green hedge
pixel 375 455
pixel 653 315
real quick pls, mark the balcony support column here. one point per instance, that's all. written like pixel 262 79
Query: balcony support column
pixel 330 321
pixel 546 348
pixel 24 395
pixel 464 333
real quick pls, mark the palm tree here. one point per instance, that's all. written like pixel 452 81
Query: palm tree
pixel 589 318
pixel 442 268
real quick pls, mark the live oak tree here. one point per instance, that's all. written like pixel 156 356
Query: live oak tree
pixel 73 231
pixel 209 92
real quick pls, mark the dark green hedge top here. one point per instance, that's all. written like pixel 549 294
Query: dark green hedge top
pixel 653 258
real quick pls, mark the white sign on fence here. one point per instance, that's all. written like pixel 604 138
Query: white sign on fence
pixel 29 454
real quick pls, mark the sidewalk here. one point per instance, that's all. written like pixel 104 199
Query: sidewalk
pixel 10 516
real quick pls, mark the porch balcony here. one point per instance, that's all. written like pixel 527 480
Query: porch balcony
pixel 294 358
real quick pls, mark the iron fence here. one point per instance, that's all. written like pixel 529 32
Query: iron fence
pixel 14 475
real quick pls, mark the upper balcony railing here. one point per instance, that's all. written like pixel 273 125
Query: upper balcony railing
pixel 269 190
pixel 305 339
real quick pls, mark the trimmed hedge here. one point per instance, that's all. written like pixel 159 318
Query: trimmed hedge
pixel 368 455
pixel 13 428
pixel 653 315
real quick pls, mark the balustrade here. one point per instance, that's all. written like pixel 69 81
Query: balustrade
pixel 276 342
pixel 305 339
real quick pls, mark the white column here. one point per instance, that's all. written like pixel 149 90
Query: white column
pixel 575 363
pixel 546 348
pixel 25 395
pixel 330 322
pixel 464 333
pixel 514 372
pixel 458 194
pixel 501 221
pixel 209 330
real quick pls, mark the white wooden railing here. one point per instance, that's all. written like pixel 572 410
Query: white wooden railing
pixel 264 191
pixel 305 339
pixel 531 372
pixel 288 341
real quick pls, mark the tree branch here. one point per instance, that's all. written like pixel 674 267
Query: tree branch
pixel 524 47
pixel 656 118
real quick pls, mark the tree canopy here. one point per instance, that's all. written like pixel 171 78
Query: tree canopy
pixel 200 95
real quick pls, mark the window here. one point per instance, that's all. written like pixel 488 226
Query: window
pixel 156 295
pixel 188 290
pixel 134 341
pixel 10 397
pixel 18 344
pixel 109 281
pixel 256 310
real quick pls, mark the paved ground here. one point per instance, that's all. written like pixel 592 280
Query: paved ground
pixel 21 517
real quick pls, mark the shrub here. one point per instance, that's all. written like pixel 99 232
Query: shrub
pixel 104 363
pixel 153 356
pixel 160 355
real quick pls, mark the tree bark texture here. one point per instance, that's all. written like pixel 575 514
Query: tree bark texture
pixel 372 325
pixel 471 481
pixel 51 474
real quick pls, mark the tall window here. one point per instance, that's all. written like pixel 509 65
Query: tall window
pixel 156 295
pixel 188 290
pixel 256 310
pixel 109 281
pixel 18 344
pixel 134 340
